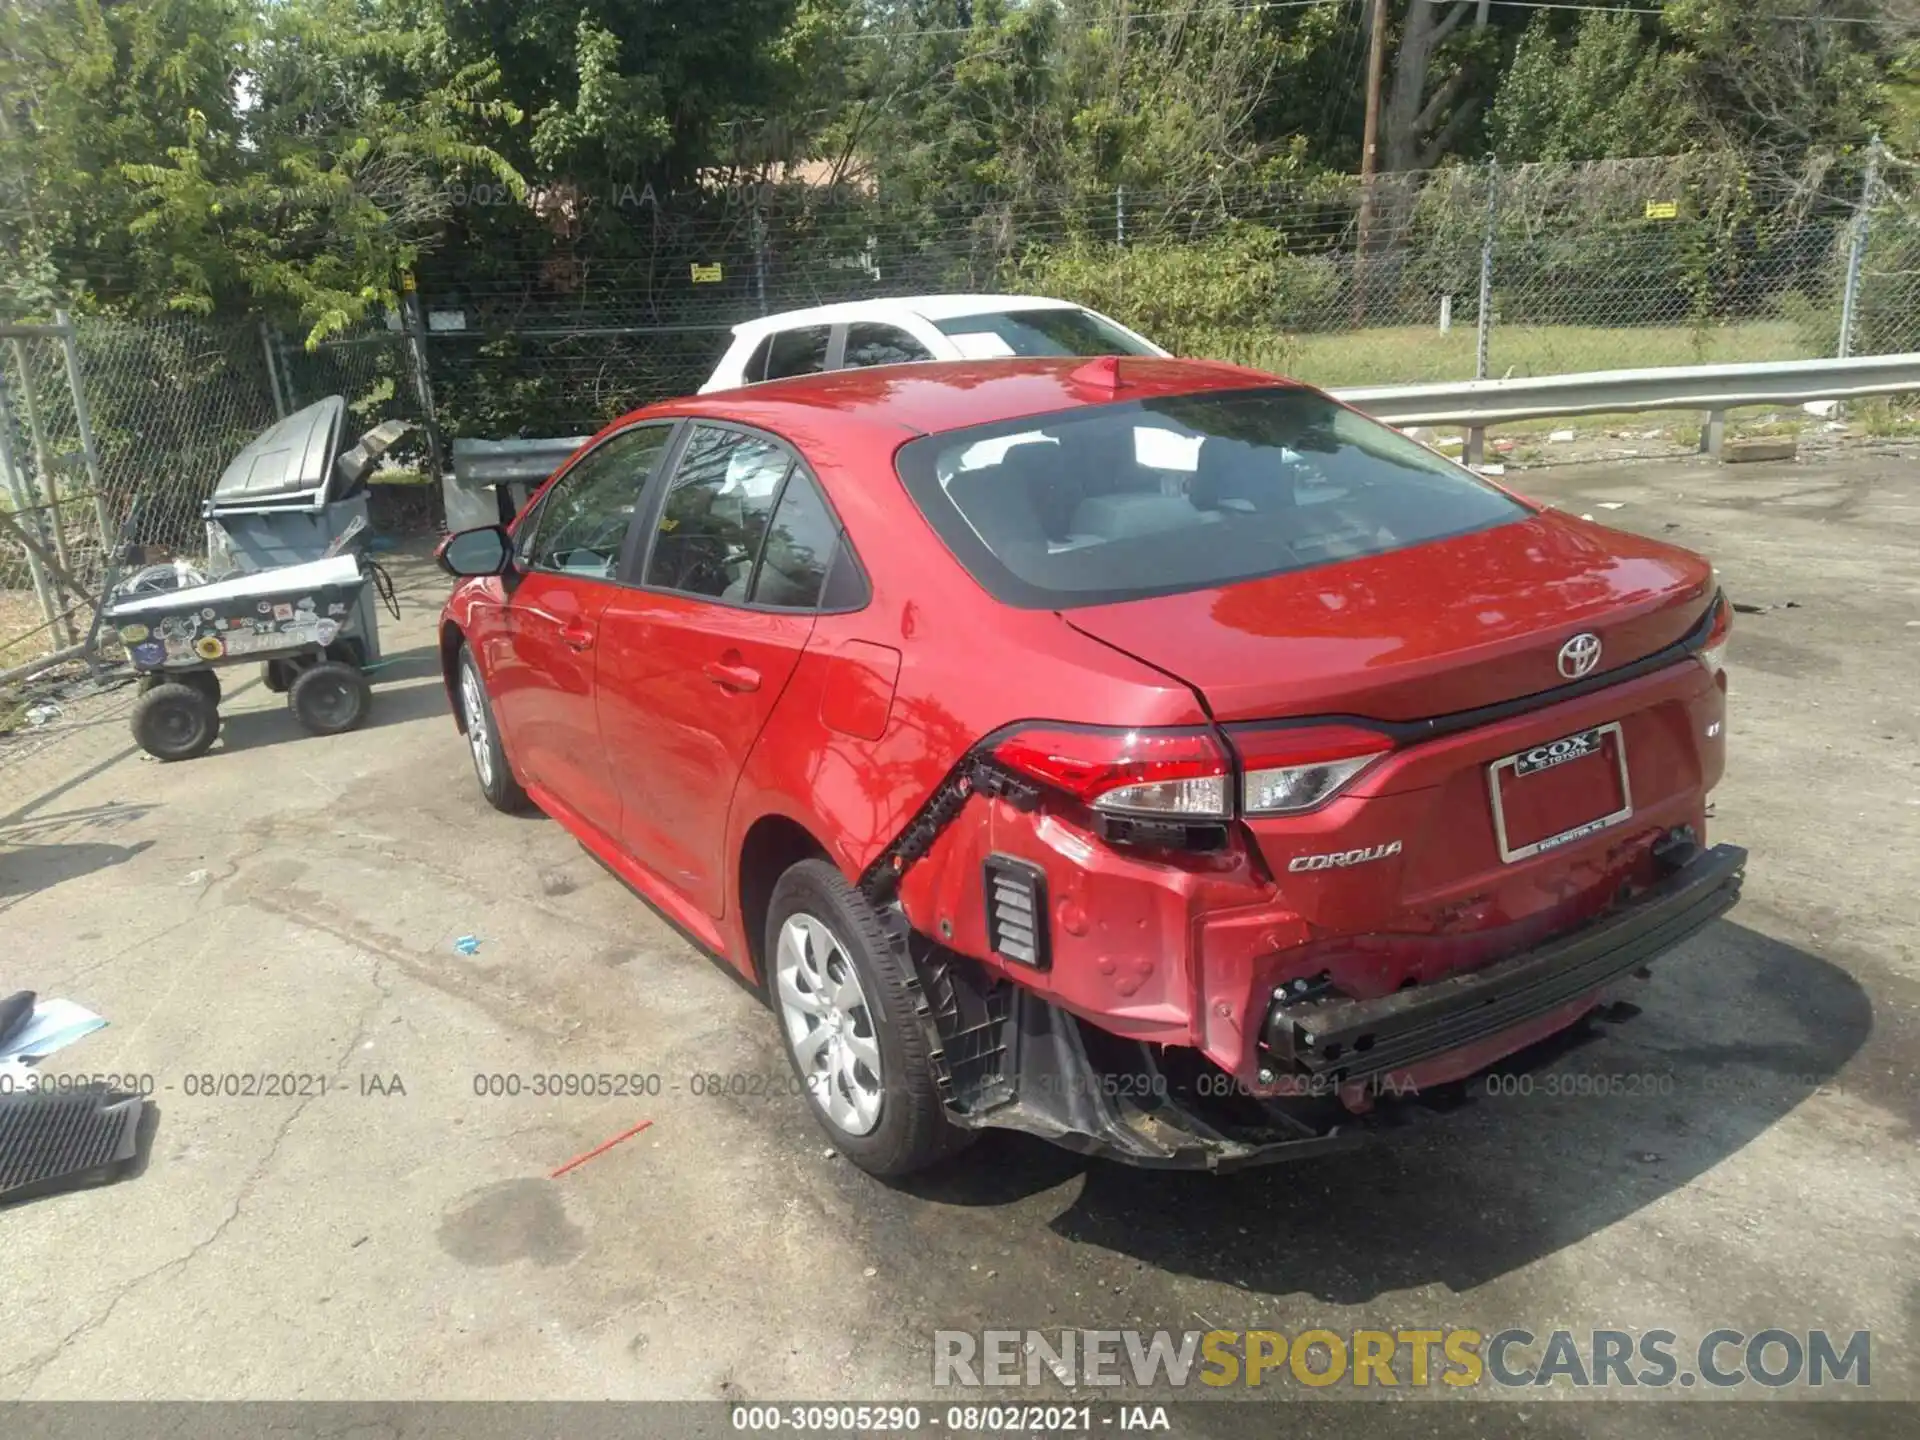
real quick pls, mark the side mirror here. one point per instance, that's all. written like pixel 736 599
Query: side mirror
pixel 486 551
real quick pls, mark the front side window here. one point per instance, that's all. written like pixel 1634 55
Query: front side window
pixel 881 345
pixel 1037 332
pixel 1152 497
pixel 798 352
pixel 715 513
pixel 583 520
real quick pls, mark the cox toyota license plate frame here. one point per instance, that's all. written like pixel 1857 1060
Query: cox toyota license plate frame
pixel 1568 748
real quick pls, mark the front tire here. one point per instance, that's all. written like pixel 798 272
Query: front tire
pixel 175 721
pixel 846 1004
pixel 490 766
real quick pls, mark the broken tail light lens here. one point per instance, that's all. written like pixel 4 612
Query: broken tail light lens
pixel 1129 772
pixel 1713 654
pixel 1288 769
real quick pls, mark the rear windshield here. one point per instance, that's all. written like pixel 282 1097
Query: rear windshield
pixel 1152 497
pixel 1037 332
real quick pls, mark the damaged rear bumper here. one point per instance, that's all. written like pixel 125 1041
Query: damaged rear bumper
pixel 1347 1040
pixel 1008 1059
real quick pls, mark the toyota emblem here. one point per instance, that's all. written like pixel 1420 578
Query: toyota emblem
pixel 1579 655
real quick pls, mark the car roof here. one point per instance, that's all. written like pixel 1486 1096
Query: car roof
pixel 927 397
pixel 927 307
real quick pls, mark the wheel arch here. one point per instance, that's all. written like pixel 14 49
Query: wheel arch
pixel 451 641
pixel 772 845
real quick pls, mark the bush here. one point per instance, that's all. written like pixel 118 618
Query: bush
pixel 1232 290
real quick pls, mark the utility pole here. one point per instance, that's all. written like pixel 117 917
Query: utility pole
pixel 1369 150
pixel 1376 64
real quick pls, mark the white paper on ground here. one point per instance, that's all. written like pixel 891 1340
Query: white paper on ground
pixel 55 1025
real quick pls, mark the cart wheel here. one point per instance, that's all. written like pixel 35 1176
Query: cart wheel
pixel 173 721
pixel 329 697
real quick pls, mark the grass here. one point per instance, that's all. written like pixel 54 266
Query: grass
pixel 1887 417
pixel 1406 355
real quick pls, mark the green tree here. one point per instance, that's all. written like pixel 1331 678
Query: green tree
pixel 87 89
pixel 194 154
pixel 1608 92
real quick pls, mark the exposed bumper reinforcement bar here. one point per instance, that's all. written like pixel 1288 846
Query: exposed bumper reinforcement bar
pixel 1339 1040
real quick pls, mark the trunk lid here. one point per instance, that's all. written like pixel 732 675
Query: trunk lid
pixel 1430 630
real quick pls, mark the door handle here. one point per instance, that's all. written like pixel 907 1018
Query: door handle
pixel 732 677
pixel 579 637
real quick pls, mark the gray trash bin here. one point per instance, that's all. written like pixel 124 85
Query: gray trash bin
pixel 291 493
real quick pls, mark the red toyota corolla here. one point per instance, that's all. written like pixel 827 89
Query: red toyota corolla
pixel 1150 755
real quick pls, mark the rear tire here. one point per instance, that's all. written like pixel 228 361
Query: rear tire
pixel 490 765
pixel 329 698
pixel 173 721
pixel 845 1001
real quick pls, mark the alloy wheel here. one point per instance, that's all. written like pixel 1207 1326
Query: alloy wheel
pixel 474 703
pixel 830 1023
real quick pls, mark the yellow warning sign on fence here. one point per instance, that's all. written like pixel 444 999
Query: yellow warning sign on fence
pixel 706 274
pixel 1662 209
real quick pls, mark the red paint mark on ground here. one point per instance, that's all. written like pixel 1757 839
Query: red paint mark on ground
pixel 600 1149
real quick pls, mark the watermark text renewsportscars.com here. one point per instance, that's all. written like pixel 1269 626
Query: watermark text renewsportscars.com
pixel 1516 1358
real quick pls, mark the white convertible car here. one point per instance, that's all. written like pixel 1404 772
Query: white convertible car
pixel 924 327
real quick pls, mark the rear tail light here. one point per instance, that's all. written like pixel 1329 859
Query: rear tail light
pixel 1288 769
pixel 1185 774
pixel 1713 654
pixel 1126 772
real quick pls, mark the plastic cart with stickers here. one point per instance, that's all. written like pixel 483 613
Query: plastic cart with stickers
pixel 296 594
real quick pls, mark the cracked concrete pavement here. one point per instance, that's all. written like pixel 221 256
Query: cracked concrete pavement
pixel 285 908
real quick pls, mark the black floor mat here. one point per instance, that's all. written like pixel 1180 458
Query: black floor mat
pixel 63 1139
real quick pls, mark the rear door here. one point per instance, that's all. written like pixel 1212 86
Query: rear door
pixel 568 556
pixel 694 659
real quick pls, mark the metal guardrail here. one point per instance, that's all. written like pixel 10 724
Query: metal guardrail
pixel 1716 389
pixel 484 469
pixel 1471 404
pixel 497 462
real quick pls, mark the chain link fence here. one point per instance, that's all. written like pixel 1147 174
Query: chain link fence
pixel 570 313
pixel 1471 271
pixel 52 512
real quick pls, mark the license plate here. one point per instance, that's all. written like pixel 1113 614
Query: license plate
pixel 1551 795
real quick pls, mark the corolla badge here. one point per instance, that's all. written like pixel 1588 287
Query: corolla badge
pixel 1340 859
pixel 1579 655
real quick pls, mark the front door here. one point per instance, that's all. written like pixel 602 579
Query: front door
pixel 568 554
pixel 694 660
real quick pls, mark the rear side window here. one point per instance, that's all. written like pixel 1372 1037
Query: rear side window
pixel 1037 332
pixel 797 352
pixel 1152 497
pixel 715 513
pixel 798 548
pixel 881 345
